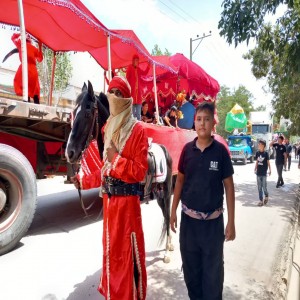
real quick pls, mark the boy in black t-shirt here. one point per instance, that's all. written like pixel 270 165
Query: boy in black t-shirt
pixel 204 170
pixel 280 159
pixel 261 168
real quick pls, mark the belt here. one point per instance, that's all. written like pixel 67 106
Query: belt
pixel 117 187
pixel 201 215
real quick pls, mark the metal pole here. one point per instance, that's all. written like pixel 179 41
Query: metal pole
pixel 191 45
pixel 23 52
pixel 155 94
pixel 193 40
pixel 109 57
pixel 52 79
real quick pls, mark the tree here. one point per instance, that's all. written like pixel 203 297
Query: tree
pixel 260 108
pixel 277 52
pixel 157 52
pixel 63 71
pixel 225 102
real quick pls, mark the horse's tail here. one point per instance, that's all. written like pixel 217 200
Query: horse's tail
pixel 166 205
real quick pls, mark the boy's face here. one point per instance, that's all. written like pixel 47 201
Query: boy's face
pixel 261 147
pixel 204 123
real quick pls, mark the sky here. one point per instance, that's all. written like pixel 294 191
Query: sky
pixel 171 23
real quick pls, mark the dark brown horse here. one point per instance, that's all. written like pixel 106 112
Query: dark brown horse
pixel 89 116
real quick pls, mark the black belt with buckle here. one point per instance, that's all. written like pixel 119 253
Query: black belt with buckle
pixel 117 187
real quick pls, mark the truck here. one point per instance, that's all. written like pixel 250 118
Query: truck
pixel 242 148
pixel 262 128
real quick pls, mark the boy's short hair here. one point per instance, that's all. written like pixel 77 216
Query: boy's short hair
pixel 263 142
pixel 281 137
pixel 210 106
pixel 173 108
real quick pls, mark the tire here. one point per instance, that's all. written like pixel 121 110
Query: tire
pixel 251 159
pixel 18 197
pixel 245 161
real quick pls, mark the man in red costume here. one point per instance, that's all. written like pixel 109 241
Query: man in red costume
pixel 133 75
pixel 33 54
pixel 125 165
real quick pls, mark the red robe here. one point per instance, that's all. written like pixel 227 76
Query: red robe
pixel 123 237
pixel 33 54
pixel 133 75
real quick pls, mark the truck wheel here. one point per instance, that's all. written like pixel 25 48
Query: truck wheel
pixel 251 159
pixel 18 197
pixel 245 161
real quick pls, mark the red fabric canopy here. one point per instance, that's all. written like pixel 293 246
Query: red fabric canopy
pixel 62 25
pixel 192 77
pixel 124 44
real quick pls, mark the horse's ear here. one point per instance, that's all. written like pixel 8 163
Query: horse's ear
pixel 90 89
pixel 84 87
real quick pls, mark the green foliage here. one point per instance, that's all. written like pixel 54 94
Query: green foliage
pixel 63 71
pixel 277 54
pixel 225 102
pixel 156 51
pixel 260 108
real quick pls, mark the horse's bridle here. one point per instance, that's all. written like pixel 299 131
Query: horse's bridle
pixel 94 124
pixel 90 137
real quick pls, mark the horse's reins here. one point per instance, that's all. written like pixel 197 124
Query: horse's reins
pixel 88 141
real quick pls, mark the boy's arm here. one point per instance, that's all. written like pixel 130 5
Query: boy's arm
pixel 176 199
pixel 255 168
pixel 230 200
pixel 269 166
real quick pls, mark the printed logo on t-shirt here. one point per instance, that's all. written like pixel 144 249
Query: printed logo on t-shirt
pixel 213 166
pixel 260 160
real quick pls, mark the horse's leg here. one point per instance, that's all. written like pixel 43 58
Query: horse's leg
pixel 165 232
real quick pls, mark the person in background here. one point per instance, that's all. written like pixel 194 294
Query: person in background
pixel 33 55
pixel 261 167
pixel 280 159
pixel 133 75
pixel 170 118
pixel 289 150
pixel 204 170
pixel 124 166
pixel 146 116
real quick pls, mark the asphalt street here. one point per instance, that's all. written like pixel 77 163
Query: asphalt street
pixel 61 256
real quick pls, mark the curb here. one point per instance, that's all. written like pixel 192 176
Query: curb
pixel 286 278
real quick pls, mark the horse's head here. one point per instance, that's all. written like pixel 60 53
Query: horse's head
pixel 85 123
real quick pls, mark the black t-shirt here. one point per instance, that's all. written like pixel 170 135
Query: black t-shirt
pixel 288 148
pixel 203 175
pixel 262 163
pixel 280 150
pixel 172 118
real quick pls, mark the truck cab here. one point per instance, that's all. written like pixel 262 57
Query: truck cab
pixel 241 148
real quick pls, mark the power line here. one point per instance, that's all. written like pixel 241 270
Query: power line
pixel 173 10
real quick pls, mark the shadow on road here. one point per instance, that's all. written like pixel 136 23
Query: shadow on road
pixel 62 212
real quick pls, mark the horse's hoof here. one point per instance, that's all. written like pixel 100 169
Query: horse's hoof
pixel 171 247
pixel 167 259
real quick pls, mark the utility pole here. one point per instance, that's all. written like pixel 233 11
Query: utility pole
pixel 196 39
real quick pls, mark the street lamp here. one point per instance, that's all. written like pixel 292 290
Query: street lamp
pixel 193 40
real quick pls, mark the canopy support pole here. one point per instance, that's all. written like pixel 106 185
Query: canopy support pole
pixel 23 51
pixel 109 58
pixel 52 78
pixel 155 95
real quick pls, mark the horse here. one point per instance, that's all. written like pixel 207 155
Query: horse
pixel 89 116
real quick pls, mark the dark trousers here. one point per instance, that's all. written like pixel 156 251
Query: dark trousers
pixel 289 159
pixel 279 172
pixel 201 247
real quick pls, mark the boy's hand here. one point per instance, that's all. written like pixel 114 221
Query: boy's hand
pixel 173 222
pixel 229 232
pixel 269 173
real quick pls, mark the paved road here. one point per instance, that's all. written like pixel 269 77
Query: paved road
pixel 60 258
